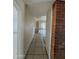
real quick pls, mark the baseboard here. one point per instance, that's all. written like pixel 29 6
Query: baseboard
pixel 46 52
pixel 28 49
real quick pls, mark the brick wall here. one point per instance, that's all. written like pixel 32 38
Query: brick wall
pixel 58 31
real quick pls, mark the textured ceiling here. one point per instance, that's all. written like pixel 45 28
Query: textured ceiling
pixel 38 7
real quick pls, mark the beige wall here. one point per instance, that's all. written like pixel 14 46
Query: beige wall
pixel 29 28
pixel 48 31
pixel 19 4
pixel 25 30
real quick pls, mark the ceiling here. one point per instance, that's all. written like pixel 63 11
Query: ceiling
pixel 38 7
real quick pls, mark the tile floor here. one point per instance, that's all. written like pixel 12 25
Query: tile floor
pixel 36 49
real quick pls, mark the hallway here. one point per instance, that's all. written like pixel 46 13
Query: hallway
pixel 36 49
pixel 39 29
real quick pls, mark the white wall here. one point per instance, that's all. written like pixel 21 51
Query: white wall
pixel 15 13
pixel 25 30
pixel 19 4
pixel 48 31
pixel 29 28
